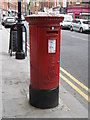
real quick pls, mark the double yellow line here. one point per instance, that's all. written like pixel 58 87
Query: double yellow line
pixel 73 86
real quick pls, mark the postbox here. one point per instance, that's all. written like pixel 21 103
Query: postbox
pixel 45 33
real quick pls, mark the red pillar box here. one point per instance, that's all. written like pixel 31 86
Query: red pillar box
pixel 44 60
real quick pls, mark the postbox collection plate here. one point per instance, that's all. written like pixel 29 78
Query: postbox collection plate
pixel 52 46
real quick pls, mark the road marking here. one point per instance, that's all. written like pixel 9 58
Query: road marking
pixel 75 88
pixel 72 85
pixel 75 80
pixel 78 38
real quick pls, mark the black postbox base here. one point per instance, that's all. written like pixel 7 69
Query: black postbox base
pixel 44 99
pixel 20 55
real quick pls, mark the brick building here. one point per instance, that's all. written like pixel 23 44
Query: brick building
pixel 41 4
pixel 10 7
pixel 77 8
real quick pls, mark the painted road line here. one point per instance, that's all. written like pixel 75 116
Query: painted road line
pixel 75 80
pixel 75 88
pixel 78 38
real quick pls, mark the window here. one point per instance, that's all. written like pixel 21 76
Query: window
pixel 77 1
pixel 78 21
pixel 86 22
pixel 74 21
pixel 86 17
pixel 70 2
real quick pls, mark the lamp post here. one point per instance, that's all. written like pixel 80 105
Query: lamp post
pixel 25 10
pixel 29 7
pixel 67 7
pixel 15 7
pixel 43 5
pixel 19 53
pixel 35 6
pixel 8 7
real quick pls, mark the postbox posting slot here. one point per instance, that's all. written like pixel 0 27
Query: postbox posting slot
pixel 52 32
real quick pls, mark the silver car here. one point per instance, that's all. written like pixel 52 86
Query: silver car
pixel 80 25
pixel 9 22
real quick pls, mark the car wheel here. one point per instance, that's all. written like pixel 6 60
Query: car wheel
pixel 61 26
pixel 81 30
pixel 71 28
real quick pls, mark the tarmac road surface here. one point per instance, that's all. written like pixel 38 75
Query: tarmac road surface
pixel 74 64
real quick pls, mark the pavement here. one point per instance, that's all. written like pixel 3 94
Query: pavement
pixel 14 86
pixel 0 72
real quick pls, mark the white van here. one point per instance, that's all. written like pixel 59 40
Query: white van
pixel 67 21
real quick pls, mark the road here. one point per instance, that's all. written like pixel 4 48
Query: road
pixel 74 64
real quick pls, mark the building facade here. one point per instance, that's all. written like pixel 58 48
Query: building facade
pixel 78 9
pixel 10 7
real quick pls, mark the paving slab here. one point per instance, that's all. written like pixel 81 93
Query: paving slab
pixel 21 108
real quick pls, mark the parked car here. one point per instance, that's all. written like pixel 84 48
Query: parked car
pixel 80 25
pixel 66 22
pixel 3 19
pixel 9 21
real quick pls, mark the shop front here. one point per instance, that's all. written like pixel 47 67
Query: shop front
pixel 81 13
